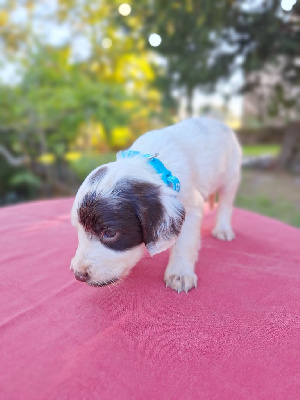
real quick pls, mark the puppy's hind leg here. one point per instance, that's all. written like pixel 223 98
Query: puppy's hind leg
pixel 223 229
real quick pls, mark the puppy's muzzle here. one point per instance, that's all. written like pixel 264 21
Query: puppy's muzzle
pixel 85 277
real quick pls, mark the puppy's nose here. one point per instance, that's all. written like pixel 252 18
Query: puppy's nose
pixel 81 276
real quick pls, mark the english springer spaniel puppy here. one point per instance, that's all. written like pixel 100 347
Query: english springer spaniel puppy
pixel 153 197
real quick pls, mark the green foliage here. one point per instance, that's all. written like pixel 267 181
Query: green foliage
pixel 24 178
pixel 54 99
pixel 191 31
pixel 84 165
pixel 59 96
pixel 205 41
pixel 63 102
pixel 17 184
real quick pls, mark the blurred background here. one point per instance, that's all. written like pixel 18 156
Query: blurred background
pixel 82 79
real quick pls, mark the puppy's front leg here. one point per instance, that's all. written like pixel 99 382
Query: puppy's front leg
pixel 179 274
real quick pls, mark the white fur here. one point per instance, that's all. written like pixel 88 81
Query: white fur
pixel 205 156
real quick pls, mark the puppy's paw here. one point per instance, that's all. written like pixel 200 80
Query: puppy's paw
pixel 181 283
pixel 223 234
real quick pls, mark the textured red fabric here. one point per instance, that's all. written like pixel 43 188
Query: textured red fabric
pixel 236 337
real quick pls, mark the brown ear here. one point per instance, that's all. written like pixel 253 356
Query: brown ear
pixel 159 212
pixel 161 217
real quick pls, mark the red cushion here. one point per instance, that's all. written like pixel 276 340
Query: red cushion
pixel 236 337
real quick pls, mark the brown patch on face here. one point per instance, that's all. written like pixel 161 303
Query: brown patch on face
pixel 117 212
pixel 134 210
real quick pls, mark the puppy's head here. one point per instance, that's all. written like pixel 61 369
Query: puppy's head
pixel 115 218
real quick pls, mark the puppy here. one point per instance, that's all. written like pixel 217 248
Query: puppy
pixel 153 197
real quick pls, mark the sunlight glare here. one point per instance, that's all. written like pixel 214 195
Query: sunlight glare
pixel 124 9
pixel 287 5
pixel 106 43
pixel 154 40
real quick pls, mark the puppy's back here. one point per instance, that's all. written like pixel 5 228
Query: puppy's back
pixel 202 147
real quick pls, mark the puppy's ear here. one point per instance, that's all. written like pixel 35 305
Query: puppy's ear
pixel 161 216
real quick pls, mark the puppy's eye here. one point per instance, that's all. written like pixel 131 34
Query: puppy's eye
pixel 109 234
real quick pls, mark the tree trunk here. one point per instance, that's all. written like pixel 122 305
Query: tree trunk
pixel 189 102
pixel 289 157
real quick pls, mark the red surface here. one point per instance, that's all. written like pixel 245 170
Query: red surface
pixel 236 337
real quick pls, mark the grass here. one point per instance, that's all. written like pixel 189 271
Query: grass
pixel 281 210
pixel 271 194
pixel 260 150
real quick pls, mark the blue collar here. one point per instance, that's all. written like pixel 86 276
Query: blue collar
pixel 159 167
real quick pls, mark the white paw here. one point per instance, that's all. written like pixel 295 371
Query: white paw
pixel 223 234
pixel 181 283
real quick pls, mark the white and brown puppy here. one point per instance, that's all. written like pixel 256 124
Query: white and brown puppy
pixel 123 206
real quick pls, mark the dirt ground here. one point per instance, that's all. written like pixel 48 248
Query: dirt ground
pixel 275 194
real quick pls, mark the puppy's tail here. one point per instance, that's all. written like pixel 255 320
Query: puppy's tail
pixel 212 200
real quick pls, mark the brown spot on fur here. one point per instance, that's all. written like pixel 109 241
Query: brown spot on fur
pixel 134 209
pixel 98 175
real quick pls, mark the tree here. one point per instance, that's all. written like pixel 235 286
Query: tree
pixel 94 75
pixel 205 42
pixel 44 112
pixel 190 32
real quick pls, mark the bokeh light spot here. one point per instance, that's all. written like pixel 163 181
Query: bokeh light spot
pixel 287 5
pixel 124 9
pixel 154 40
pixel 106 43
